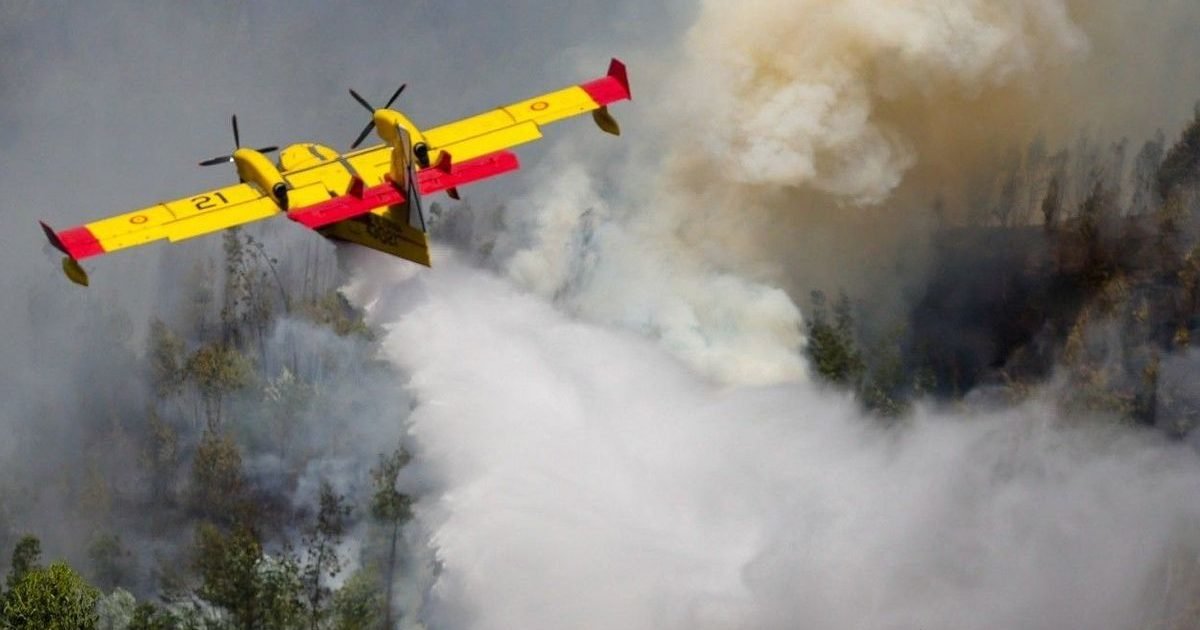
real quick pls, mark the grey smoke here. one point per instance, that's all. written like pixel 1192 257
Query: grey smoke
pixel 572 473
pixel 580 477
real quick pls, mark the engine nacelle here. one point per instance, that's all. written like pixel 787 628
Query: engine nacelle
pixel 254 167
pixel 386 122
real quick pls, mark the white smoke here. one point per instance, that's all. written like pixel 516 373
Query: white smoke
pixel 578 477
pixel 768 98
pixel 636 274
pixel 799 93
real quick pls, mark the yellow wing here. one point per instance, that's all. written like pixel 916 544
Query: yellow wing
pixel 520 122
pixel 172 220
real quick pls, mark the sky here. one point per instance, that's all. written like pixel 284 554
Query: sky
pixel 613 422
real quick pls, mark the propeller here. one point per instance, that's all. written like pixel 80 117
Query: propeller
pixel 371 125
pixel 237 144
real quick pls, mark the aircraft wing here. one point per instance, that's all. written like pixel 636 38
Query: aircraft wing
pixel 520 122
pixel 360 198
pixel 172 220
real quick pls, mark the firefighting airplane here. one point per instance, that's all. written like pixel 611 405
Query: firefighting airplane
pixel 371 197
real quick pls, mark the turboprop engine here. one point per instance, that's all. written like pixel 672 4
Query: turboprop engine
pixel 254 167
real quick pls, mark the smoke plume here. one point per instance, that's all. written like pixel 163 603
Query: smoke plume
pixel 814 145
pixel 570 472
pixel 581 479
pixel 577 477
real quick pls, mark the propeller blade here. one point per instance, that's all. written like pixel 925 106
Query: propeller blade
pixel 363 136
pixel 217 160
pixel 237 140
pixel 395 95
pixel 268 149
pixel 362 101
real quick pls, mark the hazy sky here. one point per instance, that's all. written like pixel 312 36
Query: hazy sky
pixel 577 475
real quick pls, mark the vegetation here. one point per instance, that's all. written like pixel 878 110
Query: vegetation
pixel 213 452
pixel 1105 292
pixel 390 509
pixel 51 598
pixel 206 503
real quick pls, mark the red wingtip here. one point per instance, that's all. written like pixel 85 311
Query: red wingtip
pixel 616 70
pixel 610 88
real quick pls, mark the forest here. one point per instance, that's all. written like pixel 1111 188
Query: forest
pixel 1076 270
pixel 200 496
pixel 215 486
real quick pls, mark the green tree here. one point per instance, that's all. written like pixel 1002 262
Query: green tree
pixel 111 561
pixel 200 299
pixel 391 509
pixel 115 611
pixel 1170 219
pixel 334 311
pixel 147 616
pixel 831 346
pixel 54 598
pixel 1145 168
pixel 884 384
pixel 1181 166
pixel 322 540
pixel 259 592
pixel 247 305
pixel 217 370
pixel 26 555
pixel 160 457
pixel 166 358
pixel 217 491
pixel 235 289
pixel 357 605
pixel 1095 227
pixel 286 398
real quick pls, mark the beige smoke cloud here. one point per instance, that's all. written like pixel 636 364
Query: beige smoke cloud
pixel 771 129
pixel 830 95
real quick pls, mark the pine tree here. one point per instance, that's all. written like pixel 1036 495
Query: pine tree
pixel 322 541
pixel 391 509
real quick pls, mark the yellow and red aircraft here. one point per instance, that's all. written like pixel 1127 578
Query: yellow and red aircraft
pixel 371 197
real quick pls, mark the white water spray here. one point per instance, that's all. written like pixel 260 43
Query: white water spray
pixel 578 477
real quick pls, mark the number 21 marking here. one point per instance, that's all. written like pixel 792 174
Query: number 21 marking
pixel 205 202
